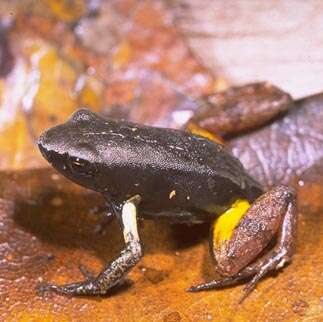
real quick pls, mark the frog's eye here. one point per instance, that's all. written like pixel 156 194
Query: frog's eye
pixel 81 167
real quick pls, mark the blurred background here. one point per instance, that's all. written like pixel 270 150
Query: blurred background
pixel 143 60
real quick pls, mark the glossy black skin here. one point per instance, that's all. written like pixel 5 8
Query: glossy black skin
pixel 185 177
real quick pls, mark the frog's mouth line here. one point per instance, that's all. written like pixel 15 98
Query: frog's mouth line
pixel 47 154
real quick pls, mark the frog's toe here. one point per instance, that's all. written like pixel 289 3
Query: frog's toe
pixel 271 262
pixel 80 288
pixel 46 287
pixel 214 284
pixel 42 288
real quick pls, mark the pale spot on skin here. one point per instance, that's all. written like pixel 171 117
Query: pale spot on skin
pixel 176 147
pixel 172 194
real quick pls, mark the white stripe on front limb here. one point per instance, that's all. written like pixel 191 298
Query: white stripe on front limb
pixel 129 220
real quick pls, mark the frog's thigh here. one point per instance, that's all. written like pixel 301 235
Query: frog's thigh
pixel 254 231
pixel 270 215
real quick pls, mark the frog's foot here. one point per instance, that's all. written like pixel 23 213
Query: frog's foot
pixel 235 246
pixel 114 273
pixel 257 270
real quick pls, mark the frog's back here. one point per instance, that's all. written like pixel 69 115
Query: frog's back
pixel 173 171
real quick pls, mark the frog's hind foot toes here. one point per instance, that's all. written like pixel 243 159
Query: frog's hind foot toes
pixel 252 273
pixel 216 284
pixel 272 262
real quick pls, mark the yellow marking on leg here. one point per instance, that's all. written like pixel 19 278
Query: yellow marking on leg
pixel 226 223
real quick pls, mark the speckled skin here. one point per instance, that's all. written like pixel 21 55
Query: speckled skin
pixel 177 174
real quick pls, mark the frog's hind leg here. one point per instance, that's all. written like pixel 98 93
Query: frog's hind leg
pixel 115 271
pixel 273 214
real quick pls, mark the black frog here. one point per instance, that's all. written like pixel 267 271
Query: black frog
pixel 179 176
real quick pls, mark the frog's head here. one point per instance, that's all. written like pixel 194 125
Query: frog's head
pixel 72 150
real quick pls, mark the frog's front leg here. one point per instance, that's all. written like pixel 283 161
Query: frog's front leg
pixel 115 271
pixel 237 243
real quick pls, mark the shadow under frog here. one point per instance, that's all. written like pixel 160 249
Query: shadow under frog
pixel 62 216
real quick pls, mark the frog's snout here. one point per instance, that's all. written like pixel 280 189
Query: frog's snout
pixel 43 151
pixel 40 141
pixel 51 141
pixel 43 146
